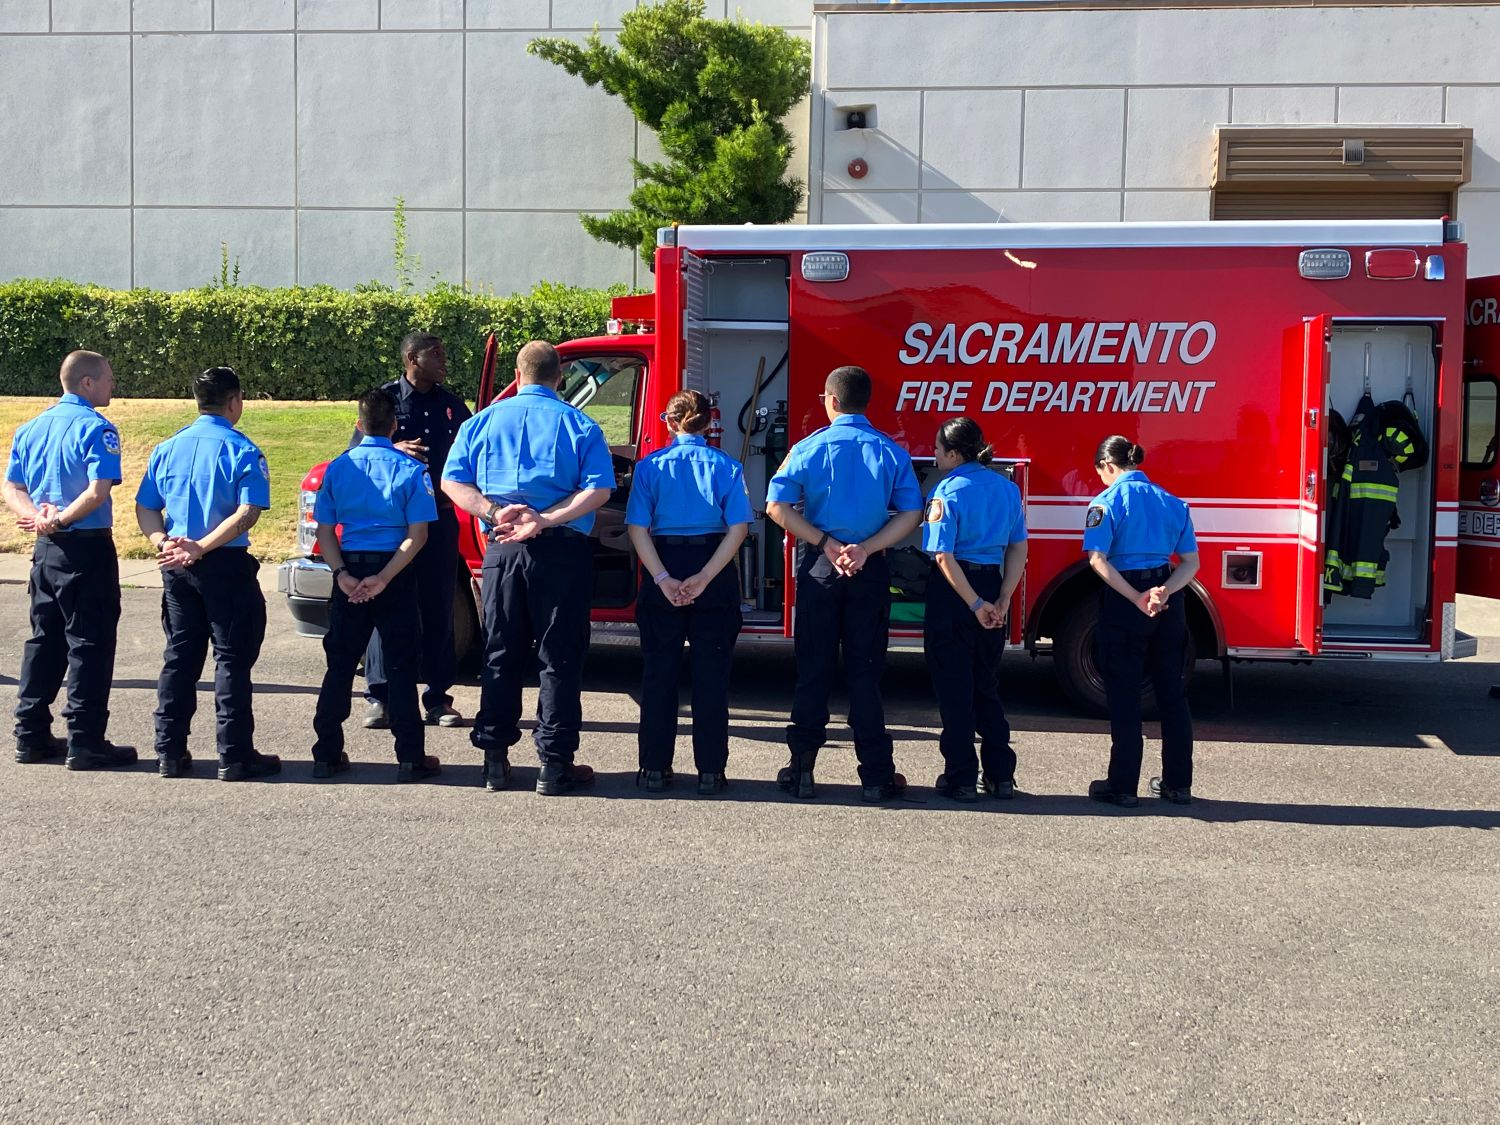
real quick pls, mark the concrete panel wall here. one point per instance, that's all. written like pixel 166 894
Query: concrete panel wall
pixel 147 133
pixel 1043 115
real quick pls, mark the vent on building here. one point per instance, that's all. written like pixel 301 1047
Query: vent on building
pixel 1339 171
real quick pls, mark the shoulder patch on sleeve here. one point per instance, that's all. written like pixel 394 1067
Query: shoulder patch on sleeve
pixel 1095 516
pixel 427 483
pixel 265 469
pixel 935 510
pixel 111 439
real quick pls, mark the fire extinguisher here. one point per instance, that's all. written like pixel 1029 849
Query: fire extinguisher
pixel 776 437
pixel 715 421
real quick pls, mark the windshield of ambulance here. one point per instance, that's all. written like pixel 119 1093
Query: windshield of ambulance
pixel 603 387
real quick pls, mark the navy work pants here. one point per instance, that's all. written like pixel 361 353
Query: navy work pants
pixel 1131 647
pixel 394 615
pixel 217 599
pixel 709 625
pixel 536 612
pixel 75 611
pixel 436 572
pixel 851 615
pixel 964 660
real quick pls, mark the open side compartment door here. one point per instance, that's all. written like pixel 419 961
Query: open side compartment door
pixel 1479 485
pixel 1020 475
pixel 1479 444
pixel 1315 354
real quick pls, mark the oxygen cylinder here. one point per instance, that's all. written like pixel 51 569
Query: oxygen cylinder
pixel 715 421
pixel 776 437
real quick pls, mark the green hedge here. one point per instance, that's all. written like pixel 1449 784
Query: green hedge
pixel 317 343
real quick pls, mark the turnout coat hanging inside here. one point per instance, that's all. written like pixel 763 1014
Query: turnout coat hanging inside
pixel 1361 510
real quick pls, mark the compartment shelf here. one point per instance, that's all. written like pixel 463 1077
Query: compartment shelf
pixel 740 325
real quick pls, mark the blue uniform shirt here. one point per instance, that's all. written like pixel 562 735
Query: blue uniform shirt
pixel 57 454
pixel 201 474
pixel 432 418
pixel 375 491
pixel 1137 524
pixel 974 514
pixel 849 476
pixel 532 448
pixel 688 488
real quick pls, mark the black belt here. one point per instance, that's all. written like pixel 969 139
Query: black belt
pixel 690 539
pixel 982 568
pixel 363 556
pixel 545 533
pixel 1149 574
pixel 81 533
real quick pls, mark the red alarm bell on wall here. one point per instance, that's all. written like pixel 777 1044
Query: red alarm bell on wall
pixel 858 169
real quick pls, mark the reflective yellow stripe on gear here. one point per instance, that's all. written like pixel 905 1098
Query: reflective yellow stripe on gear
pixel 1369 490
pixel 1403 445
pixel 1334 571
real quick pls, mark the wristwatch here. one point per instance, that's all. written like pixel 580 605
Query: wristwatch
pixel 489 516
pixel 823 542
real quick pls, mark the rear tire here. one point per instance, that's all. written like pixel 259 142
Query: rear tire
pixel 1077 670
pixel 465 623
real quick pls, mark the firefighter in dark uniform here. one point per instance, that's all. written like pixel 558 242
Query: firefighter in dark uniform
pixel 204 489
pixel 688 514
pixel 63 465
pixel 534 469
pixel 849 478
pixel 976 532
pixel 1131 531
pixel 384 500
pixel 427 419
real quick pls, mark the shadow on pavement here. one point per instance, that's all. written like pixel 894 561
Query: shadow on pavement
pixel 622 787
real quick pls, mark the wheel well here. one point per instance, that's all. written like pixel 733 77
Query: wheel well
pixel 1065 591
pixel 1079 581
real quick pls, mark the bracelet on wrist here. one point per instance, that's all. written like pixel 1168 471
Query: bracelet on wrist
pixel 823 542
pixel 662 577
pixel 975 605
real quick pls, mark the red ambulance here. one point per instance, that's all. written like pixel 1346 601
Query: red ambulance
pixel 1221 347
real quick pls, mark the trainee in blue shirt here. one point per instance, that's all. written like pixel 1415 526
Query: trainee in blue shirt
pixel 688 488
pixel 375 491
pixel 57 454
pixel 534 449
pixel 974 514
pixel 201 474
pixel 1138 524
pixel 849 477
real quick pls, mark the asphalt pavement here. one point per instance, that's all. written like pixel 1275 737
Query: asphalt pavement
pixel 1314 939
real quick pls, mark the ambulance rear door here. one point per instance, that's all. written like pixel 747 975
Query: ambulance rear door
pixel 1479 472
